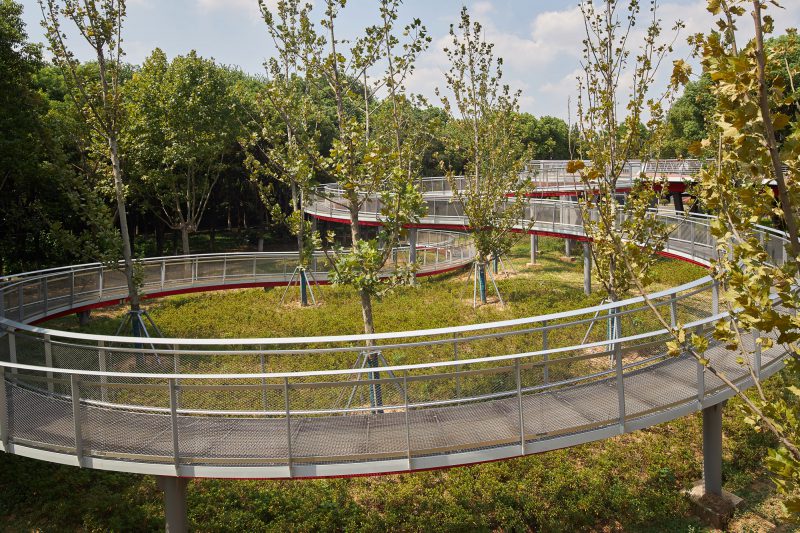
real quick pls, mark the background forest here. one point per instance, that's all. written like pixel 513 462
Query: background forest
pixel 188 123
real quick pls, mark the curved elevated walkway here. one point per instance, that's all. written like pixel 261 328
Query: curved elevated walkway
pixel 437 398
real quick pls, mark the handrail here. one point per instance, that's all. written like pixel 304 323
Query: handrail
pixel 436 397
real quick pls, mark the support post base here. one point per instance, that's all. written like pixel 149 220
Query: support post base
pixel 713 509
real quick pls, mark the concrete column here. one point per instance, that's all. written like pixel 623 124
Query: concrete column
pixel 534 248
pixel 677 199
pixel 568 247
pixel 175 510
pixel 587 269
pixel 712 449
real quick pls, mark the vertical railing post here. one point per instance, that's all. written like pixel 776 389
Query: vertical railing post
pixel 20 303
pixel 75 391
pixel 757 354
pixel 163 272
pixel 288 425
pixel 173 415
pixel 102 364
pixel 48 362
pixel 12 349
pixel 673 311
pixel 408 423
pixel 715 298
pixel 701 383
pixel 100 277
pixel 263 381
pixel 44 294
pixel 71 290
pixel 619 372
pixel 3 409
pixel 458 367
pixel 519 407
pixel 545 346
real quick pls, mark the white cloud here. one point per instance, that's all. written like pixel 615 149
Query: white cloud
pixel 250 7
pixel 482 8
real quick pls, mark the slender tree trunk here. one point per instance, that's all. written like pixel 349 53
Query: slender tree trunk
pixel 769 135
pixel 159 238
pixel 366 298
pixel 185 239
pixel 366 313
pixel 297 205
pixel 127 254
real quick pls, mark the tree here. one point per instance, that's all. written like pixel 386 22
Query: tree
pixel 687 118
pixel 182 126
pixel 753 178
pixel 99 99
pixel 544 137
pixel 49 215
pixel 484 114
pixel 624 238
pixel 284 143
pixel 365 159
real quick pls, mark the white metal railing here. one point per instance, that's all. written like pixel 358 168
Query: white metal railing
pixel 33 295
pixel 299 406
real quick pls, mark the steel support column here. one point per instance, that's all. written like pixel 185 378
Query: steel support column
pixel 84 317
pixel 712 449
pixel 175 509
pixel 412 246
pixel 534 248
pixel 587 269
pixel 568 247
pixel 677 199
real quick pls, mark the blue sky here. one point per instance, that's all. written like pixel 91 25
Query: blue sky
pixel 538 40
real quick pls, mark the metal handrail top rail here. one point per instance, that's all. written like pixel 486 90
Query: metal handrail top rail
pixel 351 371
pixel 12 324
pixel 8 279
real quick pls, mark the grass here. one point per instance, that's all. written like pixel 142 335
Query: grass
pixel 632 482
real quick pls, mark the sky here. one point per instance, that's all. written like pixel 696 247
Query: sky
pixel 539 41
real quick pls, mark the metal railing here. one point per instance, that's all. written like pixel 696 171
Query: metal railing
pixel 281 407
pixel 33 295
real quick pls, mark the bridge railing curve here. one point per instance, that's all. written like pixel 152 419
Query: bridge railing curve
pixel 415 399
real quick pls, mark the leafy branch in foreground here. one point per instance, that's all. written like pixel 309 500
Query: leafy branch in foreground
pixel 754 180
